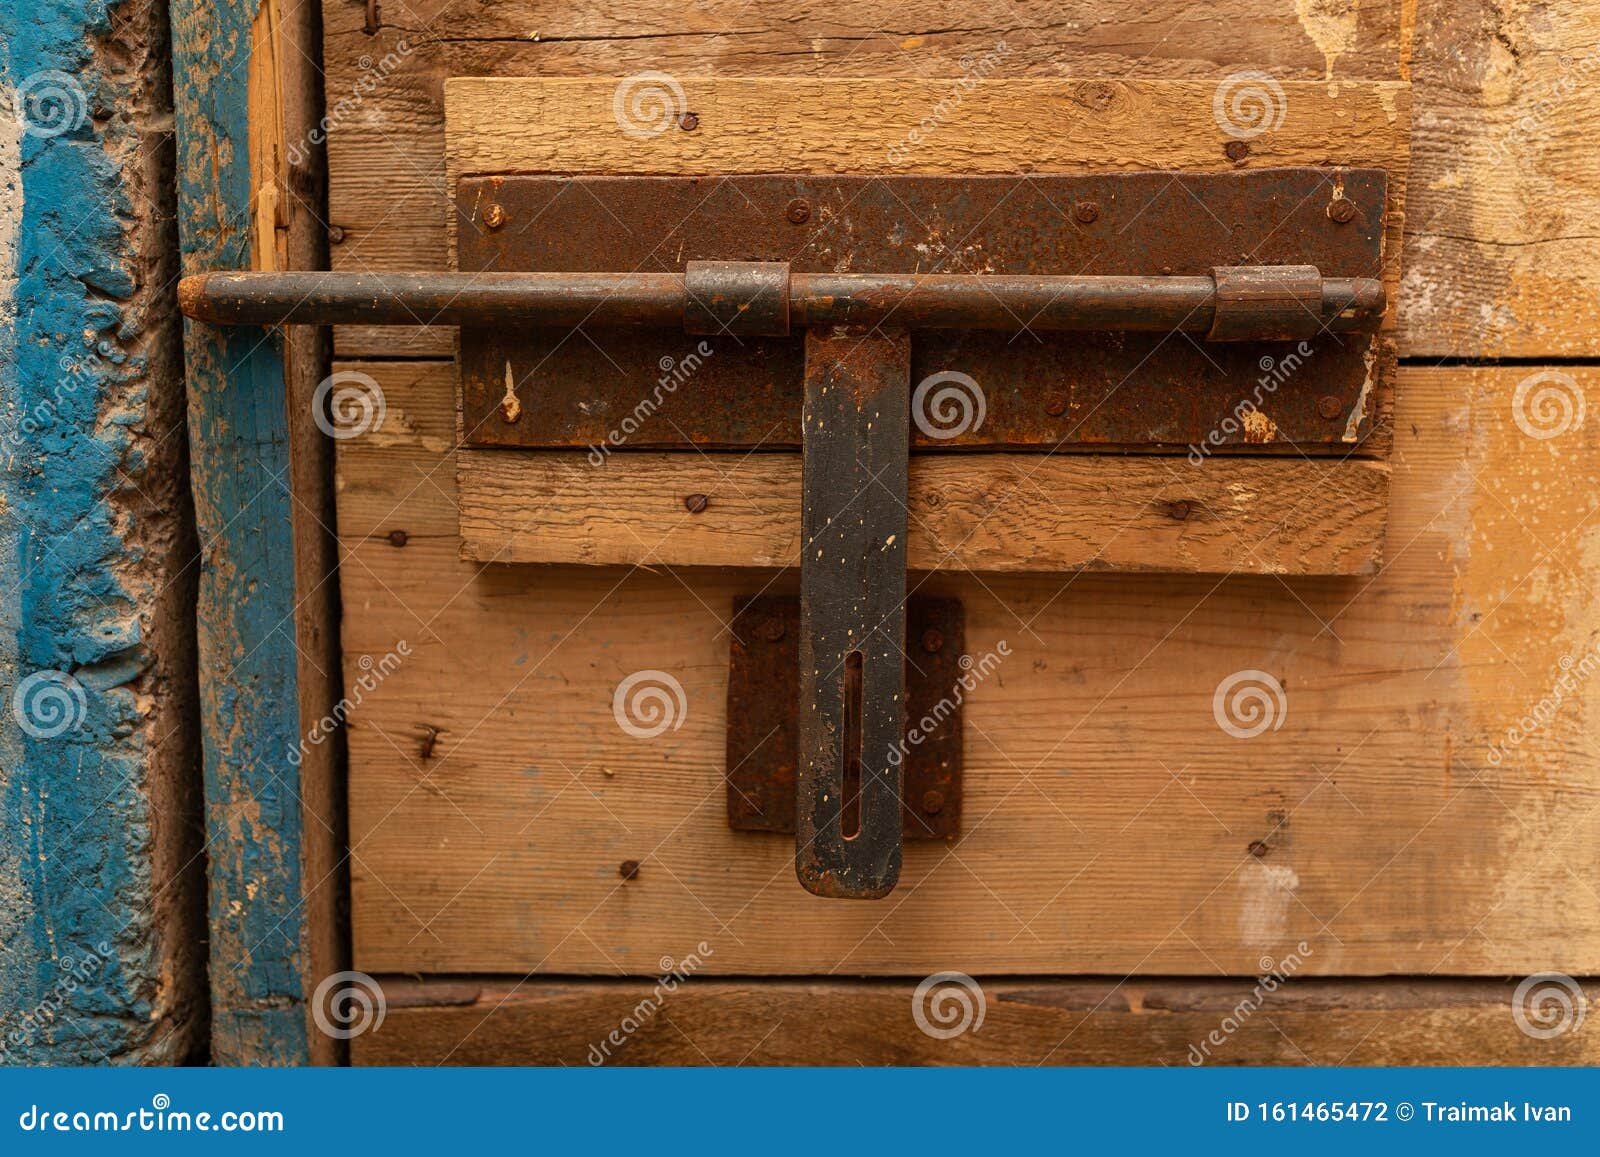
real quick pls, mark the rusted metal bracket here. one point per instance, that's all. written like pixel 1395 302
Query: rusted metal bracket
pixel 1151 303
pixel 764 727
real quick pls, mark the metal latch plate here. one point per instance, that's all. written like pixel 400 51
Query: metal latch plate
pixel 763 725
pixel 1068 390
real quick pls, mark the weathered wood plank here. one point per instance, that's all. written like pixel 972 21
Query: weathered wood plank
pixel 1149 1021
pixel 237 189
pixel 1115 826
pixel 1503 228
pixel 290 233
pixel 976 512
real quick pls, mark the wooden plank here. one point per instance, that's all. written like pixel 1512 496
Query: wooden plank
pixel 975 512
pixel 1503 228
pixel 238 199
pixel 290 233
pixel 1151 1021
pixel 1114 825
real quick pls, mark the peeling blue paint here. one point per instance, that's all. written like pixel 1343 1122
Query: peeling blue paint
pixel 78 962
pixel 248 657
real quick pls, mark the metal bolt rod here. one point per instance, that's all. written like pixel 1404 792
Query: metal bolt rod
pixel 907 301
pixel 1003 302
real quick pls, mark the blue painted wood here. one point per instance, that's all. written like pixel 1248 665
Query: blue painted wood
pixel 86 975
pixel 248 681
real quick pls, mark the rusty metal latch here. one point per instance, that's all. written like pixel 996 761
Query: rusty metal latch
pixel 855 435
pixel 765 299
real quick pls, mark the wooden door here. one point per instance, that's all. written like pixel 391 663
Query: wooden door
pixel 1390 848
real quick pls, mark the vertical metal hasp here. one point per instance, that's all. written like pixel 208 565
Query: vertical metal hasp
pixel 856 431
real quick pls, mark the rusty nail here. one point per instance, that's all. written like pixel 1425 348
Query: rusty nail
pixel 689 121
pixel 1179 509
pixel 430 737
pixel 335 234
pixel 1055 406
pixel 1329 406
pixel 1237 150
pixel 628 869
pixel 1342 209
pixel 494 216
pixel 932 640
pixel 695 503
pixel 799 211
pixel 1259 848
pixel 374 18
pixel 1086 212
pixel 772 630
pixel 932 801
pixel 397 538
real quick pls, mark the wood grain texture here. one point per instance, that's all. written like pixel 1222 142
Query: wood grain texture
pixel 1503 228
pixel 291 233
pixel 1389 820
pixel 866 125
pixel 977 512
pixel 248 664
pixel 1149 1021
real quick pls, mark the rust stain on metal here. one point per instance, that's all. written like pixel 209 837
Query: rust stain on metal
pixel 1133 390
pixel 763 731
